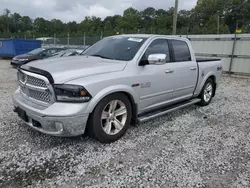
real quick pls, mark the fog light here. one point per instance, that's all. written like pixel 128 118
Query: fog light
pixel 59 126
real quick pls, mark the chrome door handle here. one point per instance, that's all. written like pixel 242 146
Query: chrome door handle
pixel 169 71
pixel 193 68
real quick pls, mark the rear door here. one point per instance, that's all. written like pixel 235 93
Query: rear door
pixel 185 70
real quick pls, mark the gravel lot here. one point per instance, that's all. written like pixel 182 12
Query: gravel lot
pixel 195 147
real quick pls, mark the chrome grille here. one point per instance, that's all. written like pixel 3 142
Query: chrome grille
pixel 38 95
pixel 34 88
pixel 36 81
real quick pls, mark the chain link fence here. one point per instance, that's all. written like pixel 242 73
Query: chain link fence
pixel 71 42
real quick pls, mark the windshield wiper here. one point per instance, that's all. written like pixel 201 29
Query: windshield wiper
pixel 104 57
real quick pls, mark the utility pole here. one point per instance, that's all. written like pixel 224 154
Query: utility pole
pixel 68 39
pixel 54 39
pixel 101 35
pixel 175 17
pixel 232 55
pixel 84 40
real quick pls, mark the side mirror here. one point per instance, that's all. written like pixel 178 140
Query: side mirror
pixel 157 59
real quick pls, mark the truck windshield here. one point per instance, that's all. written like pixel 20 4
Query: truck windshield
pixel 116 48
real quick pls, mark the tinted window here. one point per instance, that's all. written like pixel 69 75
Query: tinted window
pixel 51 51
pixel 181 51
pixel 36 51
pixel 43 53
pixel 117 48
pixel 158 46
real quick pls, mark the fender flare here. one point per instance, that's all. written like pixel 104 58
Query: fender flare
pixel 110 90
pixel 201 85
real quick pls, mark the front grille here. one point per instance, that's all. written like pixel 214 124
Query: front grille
pixel 31 80
pixel 36 81
pixel 37 95
pixel 28 86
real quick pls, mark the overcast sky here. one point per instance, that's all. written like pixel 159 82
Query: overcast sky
pixel 76 10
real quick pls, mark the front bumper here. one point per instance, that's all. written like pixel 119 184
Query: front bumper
pixel 39 120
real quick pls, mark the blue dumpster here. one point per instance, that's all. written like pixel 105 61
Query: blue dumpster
pixel 13 47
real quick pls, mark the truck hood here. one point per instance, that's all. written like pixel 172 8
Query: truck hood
pixel 65 69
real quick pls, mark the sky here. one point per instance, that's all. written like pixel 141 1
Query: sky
pixel 76 10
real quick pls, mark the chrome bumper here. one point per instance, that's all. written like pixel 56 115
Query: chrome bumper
pixel 38 119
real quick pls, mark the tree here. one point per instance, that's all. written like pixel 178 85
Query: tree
pixel 108 30
pixel 164 21
pixel 15 22
pixel 6 17
pixel 237 14
pixel 148 19
pixel 202 19
pixel 131 20
pixel 184 21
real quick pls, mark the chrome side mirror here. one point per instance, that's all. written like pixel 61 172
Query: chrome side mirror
pixel 157 59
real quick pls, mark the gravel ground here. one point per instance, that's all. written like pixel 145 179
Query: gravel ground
pixel 195 147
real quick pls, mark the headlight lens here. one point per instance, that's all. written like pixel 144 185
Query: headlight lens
pixel 71 93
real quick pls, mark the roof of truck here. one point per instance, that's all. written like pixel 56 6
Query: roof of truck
pixel 147 35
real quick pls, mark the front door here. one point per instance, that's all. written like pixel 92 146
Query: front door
pixel 156 80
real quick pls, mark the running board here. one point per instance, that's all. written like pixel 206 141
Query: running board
pixel 164 111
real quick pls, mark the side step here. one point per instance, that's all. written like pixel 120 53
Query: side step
pixel 164 111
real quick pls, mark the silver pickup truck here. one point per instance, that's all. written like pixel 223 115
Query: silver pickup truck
pixel 119 81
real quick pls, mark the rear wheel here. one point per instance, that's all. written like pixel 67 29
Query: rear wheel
pixel 111 118
pixel 207 92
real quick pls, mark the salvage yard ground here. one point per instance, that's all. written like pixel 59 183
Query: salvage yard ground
pixel 205 147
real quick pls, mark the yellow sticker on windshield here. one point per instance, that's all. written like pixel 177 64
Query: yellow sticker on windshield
pixel 135 39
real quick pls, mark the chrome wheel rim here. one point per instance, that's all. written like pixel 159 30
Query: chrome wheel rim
pixel 208 92
pixel 114 117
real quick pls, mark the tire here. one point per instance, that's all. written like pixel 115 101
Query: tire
pixel 109 122
pixel 207 92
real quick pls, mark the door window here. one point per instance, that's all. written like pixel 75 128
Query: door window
pixel 44 53
pixel 181 51
pixel 158 46
pixel 51 51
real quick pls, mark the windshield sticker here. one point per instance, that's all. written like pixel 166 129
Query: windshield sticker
pixel 135 39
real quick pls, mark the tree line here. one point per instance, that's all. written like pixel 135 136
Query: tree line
pixel 207 17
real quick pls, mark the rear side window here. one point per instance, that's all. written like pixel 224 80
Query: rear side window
pixel 181 51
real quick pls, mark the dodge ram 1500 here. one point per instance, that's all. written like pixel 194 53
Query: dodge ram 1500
pixel 118 81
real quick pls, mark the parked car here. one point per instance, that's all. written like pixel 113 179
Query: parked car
pixel 66 53
pixel 135 79
pixel 39 53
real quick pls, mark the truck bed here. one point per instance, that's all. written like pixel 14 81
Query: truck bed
pixel 208 67
pixel 200 60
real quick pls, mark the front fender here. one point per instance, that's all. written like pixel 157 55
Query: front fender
pixel 109 90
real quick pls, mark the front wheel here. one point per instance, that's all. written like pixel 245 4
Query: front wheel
pixel 111 118
pixel 207 92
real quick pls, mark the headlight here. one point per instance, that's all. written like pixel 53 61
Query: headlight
pixel 22 59
pixel 71 93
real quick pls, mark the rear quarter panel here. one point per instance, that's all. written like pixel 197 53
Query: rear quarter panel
pixel 206 70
